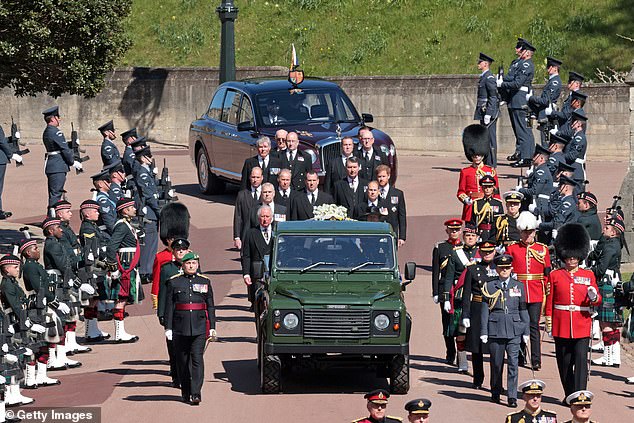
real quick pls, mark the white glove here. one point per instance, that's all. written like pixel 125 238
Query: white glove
pixel 468 201
pixel 553 131
pixel 171 193
pixel 144 209
pixel 155 170
pixel 91 256
pixel 17 134
pixel 28 351
pixel 525 338
pixel 484 339
pixel 554 233
pixel 499 249
pixel 5 349
pixel 88 289
pixel 115 275
pixel 77 165
pixel 498 82
pixel 28 323
pixel 518 187
pixel 548 110
pixel 212 335
pixel 168 334
pixel 592 293
pixel 529 172
pixel 435 299
pixel 16 158
pixel 447 306
pixel 11 359
pixel 63 308
pixel 487 119
pixel 11 330
pixel 529 95
pixel 37 329
pixel 532 207
pixel 466 323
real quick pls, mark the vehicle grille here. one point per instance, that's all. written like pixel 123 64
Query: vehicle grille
pixel 339 324
pixel 329 152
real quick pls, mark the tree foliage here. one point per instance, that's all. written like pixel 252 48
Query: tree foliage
pixel 61 46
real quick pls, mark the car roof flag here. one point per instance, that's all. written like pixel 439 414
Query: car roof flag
pixel 295 75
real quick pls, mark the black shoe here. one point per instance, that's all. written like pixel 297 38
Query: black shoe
pixel 522 163
pixel 450 361
pixel 5 214
pixel 195 399
pixel 512 402
pixel 186 399
pixel 495 398
pixel 96 339
pixel 537 367
pixel 176 384
pixel 513 157
pixel 476 386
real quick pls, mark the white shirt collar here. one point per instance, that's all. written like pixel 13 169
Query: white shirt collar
pixel 316 192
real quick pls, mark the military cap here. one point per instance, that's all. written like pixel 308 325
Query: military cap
pixel 565 167
pixel 51 111
pixel 580 398
pixel 50 221
pixel 578 95
pixel 144 151
pixel 564 180
pixel 487 180
pixel 9 259
pixel 560 139
pixel 180 244
pixel 503 261
pixel 418 406
pixel 541 150
pixel 62 205
pixel 533 386
pixel 26 243
pixel 484 58
pixel 574 76
pixel 453 223
pixel 115 167
pixel 579 114
pixel 190 256
pixel 617 222
pixel 103 175
pixel 89 204
pixel 378 396
pixel 487 246
pixel 528 46
pixel 589 197
pixel 108 126
pixel 470 228
pixel 520 42
pixel 551 61
pixel 138 143
pixel 124 202
pixel 129 133
pixel 513 197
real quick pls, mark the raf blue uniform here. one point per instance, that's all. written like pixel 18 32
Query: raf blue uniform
pixel 5 156
pixel 540 186
pixel 552 91
pixel 488 104
pixel 128 160
pixel 148 203
pixel 575 154
pixel 109 153
pixel 558 214
pixel 107 212
pixel 59 158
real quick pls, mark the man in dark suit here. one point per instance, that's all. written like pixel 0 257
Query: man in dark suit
pixel 284 191
pixel 297 161
pixel 349 192
pixel 280 143
pixel 302 203
pixel 395 199
pixel 279 212
pixel 270 165
pixel 337 167
pixel 369 156
pixel 245 201
pixel 373 205
pixel 257 245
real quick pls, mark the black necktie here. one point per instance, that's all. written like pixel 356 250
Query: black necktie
pixel 265 234
pixel 255 195
pixel 285 195
pixel 312 199
pixel 367 157
pixel 504 285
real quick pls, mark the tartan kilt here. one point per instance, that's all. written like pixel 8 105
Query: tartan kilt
pixel 608 311
pixel 454 328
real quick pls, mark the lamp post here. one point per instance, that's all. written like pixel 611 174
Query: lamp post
pixel 227 13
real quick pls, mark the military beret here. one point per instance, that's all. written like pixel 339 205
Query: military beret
pixel 62 205
pixel 574 76
pixel 129 133
pixel 533 386
pixel 579 114
pixel 513 197
pixel 564 180
pixel 50 221
pixel 108 126
pixel 51 111
pixel 578 95
pixel 617 222
pixel 580 398
pixel 89 204
pixel 453 223
pixel 378 396
pixel 589 197
pixel 541 150
pixel 9 259
pixel 504 260
pixel 103 175
pixel 487 180
pixel 180 244
pixel 124 202
pixel 551 61
pixel 470 228
pixel 418 406
pixel 26 243
pixel 190 256
pixel 484 58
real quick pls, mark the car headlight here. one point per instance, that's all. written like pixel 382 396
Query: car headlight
pixel 381 322
pixel 291 320
pixel 312 154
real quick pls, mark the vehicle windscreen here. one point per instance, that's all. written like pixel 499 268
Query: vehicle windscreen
pixel 304 106
pixel 327 252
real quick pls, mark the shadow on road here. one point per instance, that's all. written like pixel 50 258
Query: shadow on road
pixel 145 384
pixel 126 371
pixel 448 169
pixel 192 190
pixel 176 398
pixel 146 362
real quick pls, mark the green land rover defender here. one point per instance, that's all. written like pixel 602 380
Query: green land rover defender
pixel 331 292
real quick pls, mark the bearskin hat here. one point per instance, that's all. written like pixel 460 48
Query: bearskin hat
pixel 526 221
pixel 572 241
pixel 475 140
pixel 173 222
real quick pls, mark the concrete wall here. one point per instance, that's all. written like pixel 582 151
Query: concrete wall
pixel 423 114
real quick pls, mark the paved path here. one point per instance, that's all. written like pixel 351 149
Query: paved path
pixel 131 381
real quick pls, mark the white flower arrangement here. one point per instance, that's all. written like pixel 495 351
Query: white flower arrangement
pixel 330 212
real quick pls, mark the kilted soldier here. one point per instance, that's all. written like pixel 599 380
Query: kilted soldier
pixel 58 266
pixel 486 209
pixel 475 141
pixel 532 391
pixel 93 241
pixel 605 263
pixel 506 231
pixel 461 257
pixel 122 257
pixel 475 278
pixel 573 291
pixel 580 406
pixel 190 319
pixel 440 258
pixel 531 264
pixel 587 205
pixel 507 324
pixel 42 287
pixel 109 151
pixel 107 205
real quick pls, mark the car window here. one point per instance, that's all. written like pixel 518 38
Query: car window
pixel 235 109
pixel 215 108
pixel 246 112
pixel 230 98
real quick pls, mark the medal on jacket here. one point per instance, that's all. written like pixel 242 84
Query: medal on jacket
pixel 200 287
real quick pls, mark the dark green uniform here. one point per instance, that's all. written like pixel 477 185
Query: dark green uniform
pixel 605 262
pixel 524 416
pixel 13 296
pixel 121 246
pixel 57 262
pixel 168 270
pixel 506 231
pixel 590 220
pixel 93 242
pixel 440 258
pixel 460 257
pixel 36 280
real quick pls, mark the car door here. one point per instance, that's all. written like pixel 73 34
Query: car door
pixel 226 137
pixel 212 119
pixel 246 147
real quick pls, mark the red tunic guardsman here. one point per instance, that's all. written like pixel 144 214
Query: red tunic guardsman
pixel 475 141
pixel 572 294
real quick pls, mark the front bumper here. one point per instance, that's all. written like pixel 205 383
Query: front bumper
pixel 270 348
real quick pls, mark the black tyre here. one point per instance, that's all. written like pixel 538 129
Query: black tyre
pixel 207 181
pixel 399 374
pixel 271 374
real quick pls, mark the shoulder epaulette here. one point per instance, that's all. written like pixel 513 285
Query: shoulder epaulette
pixel 203 276
pixel 358 420
pixel 395 418
pixel 542 244
pixel 175 275
pixel 92 235
pixel 457 247
pixel 549 412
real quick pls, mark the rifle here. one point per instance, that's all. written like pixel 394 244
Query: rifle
pixel 77 151
pixel 166 194
pixel 15 143
pixel 613 212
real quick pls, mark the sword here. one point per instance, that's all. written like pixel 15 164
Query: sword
pixel 209 340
